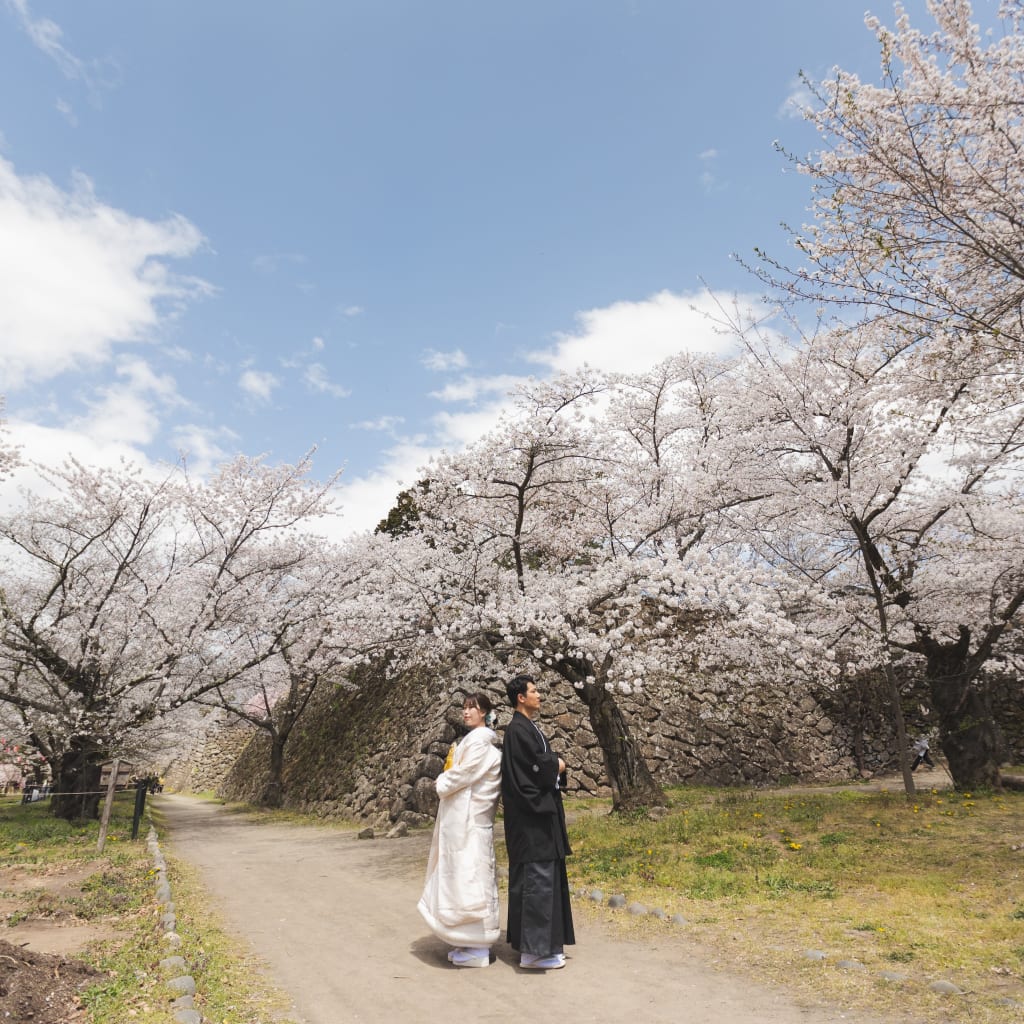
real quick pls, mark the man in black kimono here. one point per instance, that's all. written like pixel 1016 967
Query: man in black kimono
pixel 539 914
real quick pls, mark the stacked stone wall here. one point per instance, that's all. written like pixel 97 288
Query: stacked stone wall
pixel 373 753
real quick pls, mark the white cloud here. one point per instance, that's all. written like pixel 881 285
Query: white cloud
pixel 454 360
pixel 318 344
pixel 258 384
pixel 455 430
pixel 316 379
pixel 204 448
pixel 271 262
pixel 52 446
pixel 128 411
pixel 352 311
pixel 48 37
pixel 67 112
pixel 387 424
pixel 708 177
pixel 799 101
pixel 78 276
pixel 631 337
pixel 366 500
pixel 469 389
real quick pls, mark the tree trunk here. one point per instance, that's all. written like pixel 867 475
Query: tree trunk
pixel 968 733
pixel 902 744
pixel 631 781
pixel 273 792
pixel 76 782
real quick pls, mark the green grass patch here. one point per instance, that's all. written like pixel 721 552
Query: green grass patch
pixel 116 888
pixel 934 882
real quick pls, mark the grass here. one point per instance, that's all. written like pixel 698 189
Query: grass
pixel 933 888
pixel 118 891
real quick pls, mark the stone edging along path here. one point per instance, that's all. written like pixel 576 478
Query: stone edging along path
pixel 618 901
pixel 181 985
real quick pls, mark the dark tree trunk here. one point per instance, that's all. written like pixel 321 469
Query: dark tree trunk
pixel 968 733
pixel 630 779
pixel 76 782
pixel 273 792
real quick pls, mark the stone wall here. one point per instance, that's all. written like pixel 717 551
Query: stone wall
pixel 373 753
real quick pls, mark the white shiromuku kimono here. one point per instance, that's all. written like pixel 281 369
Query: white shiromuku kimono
pixel 460 896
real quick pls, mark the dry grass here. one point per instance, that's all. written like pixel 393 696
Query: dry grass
pixel 932 889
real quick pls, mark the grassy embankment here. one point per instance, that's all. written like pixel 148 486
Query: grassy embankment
pixel 117 892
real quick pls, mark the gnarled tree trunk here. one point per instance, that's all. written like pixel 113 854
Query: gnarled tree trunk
pixel 76 781
pixel 630 779
pixel 968 733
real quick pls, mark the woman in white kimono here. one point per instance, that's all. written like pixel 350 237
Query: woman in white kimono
pixel 460 897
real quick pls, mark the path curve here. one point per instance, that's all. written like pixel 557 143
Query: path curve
pixel 335 920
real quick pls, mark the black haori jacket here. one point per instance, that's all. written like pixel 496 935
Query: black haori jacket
pixel 534 817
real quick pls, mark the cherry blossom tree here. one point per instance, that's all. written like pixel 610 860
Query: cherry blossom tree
pixel 895 477
pixel 10 455
pixel 119 594
pixel 312 614
pixel 918 183
pixel 576 539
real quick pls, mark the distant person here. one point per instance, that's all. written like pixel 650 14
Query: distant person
pixel 539 912
pixel 921 753
pixel 460 896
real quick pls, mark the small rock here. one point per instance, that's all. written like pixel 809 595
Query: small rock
pixel 188 1016
pixel 168 921
pixel 946 988
pixel 893 976
pixel 186 985
pixel 400 830
pixel 173 963
pixel 367 833
pixel 616 901
pixel 173 939
pixel 815 954
pixel 637 909
pixel 184 1003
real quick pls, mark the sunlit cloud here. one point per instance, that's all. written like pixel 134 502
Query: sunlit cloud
pixel 204 448
pixel 258 384
pixel 708 176
pixel 67 112
pixel 78 277
pixel 48 37
pixel 386 424
pixel 799 102
pixel 630 337
pixel 442 361
pixel 128 410
pixel 316 379
pixel 271 262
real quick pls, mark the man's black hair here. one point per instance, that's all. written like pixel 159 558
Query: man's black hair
pixel 517 686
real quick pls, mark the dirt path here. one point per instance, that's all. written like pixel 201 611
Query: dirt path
pixel 335 920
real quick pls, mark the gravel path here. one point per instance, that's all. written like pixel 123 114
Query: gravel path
pixel 335 920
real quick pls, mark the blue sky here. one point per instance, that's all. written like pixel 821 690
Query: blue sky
pixel 257 227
